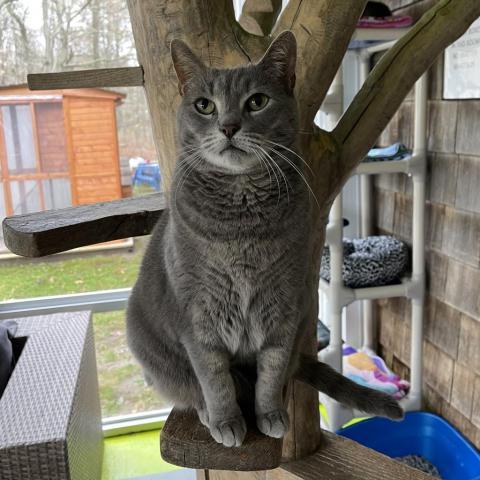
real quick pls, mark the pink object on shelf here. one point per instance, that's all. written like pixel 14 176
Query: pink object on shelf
pixel 396 21
pixel 367 369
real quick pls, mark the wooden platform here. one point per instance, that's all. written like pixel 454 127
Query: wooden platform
pixel 187 443
pixel 54 231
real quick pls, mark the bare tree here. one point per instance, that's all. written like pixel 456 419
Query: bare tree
pixel 16 41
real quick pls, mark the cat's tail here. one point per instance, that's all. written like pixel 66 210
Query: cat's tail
pixel 325 379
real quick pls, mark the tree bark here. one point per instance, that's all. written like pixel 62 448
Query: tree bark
pixel 259 17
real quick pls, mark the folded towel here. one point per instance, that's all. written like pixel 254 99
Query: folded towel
pixel 397 151
pixel 367 369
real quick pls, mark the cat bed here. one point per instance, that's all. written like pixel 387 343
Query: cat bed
pixel 369 262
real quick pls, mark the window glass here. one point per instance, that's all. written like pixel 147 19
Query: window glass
pixel 25 196
pixel 57 193
pixel 51 137
pixel 17 129
pixel 2 204
pixel 123 389
pixel 41 173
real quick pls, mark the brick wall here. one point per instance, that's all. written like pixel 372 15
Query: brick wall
pixel 452 317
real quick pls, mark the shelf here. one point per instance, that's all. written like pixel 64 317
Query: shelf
pixel 370 293
pixel 386 166
pixel 379 34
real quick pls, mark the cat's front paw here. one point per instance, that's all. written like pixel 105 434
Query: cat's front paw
pixel 274 424
pixel 230 433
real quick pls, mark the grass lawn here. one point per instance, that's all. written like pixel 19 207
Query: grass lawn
pixel 122 388
pixel 63 274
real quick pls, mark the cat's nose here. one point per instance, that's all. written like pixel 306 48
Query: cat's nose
pixel 230 130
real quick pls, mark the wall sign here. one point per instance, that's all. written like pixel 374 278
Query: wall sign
pixel 461 77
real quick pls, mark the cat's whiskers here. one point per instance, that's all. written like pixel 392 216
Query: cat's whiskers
pixel 265 164
pixel 268 160
pixel 184 163
pixel 296 169
pixel 250 147
pixel 197 160
pixel 291 151
pixel 187 164
pixel 207 143
pixel 281 172
pixel 260 138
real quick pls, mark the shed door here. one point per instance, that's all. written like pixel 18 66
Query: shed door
pixel 93 136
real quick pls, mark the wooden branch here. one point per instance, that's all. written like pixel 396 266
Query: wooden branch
pixel 342 458
pixel 259 16
pixel 102 77
pixel 339 458
pixel 185 442
pixel 395 75
pixel 323 29
pixel 54 231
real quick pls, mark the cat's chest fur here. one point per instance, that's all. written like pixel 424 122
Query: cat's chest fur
pixel 234 297
pixel 239 260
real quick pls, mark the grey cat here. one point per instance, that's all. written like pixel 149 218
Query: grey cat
pixel 217 311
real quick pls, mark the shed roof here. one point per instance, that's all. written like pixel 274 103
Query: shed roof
pixel 23 91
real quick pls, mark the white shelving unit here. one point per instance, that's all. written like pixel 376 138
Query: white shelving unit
pixel 336 294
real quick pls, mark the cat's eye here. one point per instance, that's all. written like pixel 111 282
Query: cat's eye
pixel 257 102
pixel 205 106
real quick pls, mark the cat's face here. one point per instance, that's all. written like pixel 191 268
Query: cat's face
pixel 233 118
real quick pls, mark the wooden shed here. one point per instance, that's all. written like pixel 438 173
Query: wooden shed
pixel 57 148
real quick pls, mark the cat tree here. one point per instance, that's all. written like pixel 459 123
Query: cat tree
pixel 323 29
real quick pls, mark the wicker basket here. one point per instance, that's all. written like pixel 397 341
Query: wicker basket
pixel 50 419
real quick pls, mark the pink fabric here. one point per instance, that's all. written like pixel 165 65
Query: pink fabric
pixel 398 21
pixel 369 370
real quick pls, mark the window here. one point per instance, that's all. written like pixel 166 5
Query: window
pixel 35 173
pixel 47 162
pixel 19 143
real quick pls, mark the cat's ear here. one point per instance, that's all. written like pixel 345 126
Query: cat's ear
pixel 187 65
pixel 280 59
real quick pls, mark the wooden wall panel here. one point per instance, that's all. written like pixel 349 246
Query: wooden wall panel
pixel 51 137
pixel 94 150
pixel 452 317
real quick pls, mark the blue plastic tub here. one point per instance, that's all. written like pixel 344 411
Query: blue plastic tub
pixel 424 434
